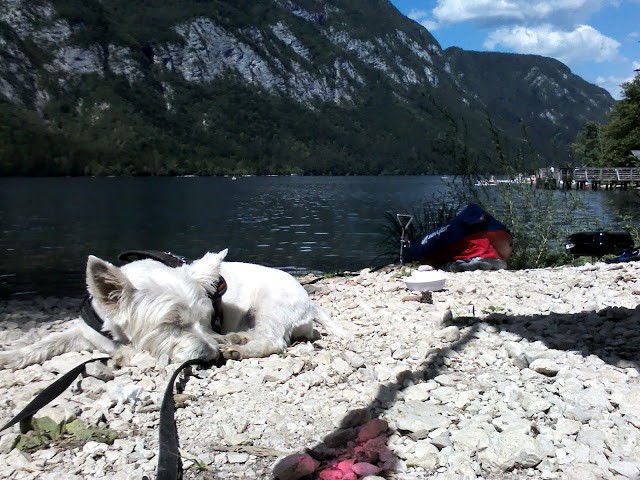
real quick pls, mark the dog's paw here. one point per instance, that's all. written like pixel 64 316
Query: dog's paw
pixel 237 338
pixel 122 357
pixel 231 352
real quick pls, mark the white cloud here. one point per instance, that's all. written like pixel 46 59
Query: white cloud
pixel 430 25
pixel 567 30
pixel 510 11
pixel 612 84
pixel 584 43
pixel 422 17
pixel 454 11
pixel 417 14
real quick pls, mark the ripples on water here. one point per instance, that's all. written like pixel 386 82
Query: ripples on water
pixel 300 224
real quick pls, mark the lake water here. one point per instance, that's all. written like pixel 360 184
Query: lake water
pixel 323 224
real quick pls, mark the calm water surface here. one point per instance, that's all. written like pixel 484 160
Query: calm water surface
pixel 48 226
pixel 326 224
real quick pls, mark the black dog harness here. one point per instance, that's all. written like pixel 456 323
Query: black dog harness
pixel 91 317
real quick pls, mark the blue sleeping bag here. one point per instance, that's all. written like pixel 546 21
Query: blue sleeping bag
pixel 453 239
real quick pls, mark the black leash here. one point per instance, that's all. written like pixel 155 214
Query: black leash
pixel 50 393
pixel 169 460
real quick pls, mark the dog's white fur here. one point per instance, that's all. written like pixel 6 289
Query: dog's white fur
pixel 166 311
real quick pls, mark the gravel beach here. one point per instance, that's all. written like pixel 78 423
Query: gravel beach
pixel 502 374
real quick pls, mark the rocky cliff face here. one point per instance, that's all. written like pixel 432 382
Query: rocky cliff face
pixel 320 54
pixel 270 56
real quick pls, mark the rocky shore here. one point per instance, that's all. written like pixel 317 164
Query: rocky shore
pixel 503 374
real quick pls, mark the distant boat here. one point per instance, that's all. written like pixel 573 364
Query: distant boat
pixel 486 183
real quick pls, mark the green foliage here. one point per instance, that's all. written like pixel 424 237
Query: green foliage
pixel 539 220
pixel 627 223
pixel 196 463
pixel 160 124
pixel 610 145
pixel 589 146
pixel 108 127
pixel 623 128
pixel 45 431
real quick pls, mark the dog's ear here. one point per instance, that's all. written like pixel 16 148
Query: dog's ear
pixel 106 282
pixel 223 254
pixel 206 270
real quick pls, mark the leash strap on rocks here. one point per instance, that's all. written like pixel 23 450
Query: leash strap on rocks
pixel 49 393
pixel 169 460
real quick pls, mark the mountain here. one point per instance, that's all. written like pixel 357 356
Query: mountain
pixel 280 86
pixel 536 93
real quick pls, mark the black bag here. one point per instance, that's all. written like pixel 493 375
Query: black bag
pixel 598 244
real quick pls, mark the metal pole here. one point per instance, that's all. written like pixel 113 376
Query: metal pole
pixel 404 237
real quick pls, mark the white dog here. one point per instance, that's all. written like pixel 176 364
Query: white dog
pixel 167 311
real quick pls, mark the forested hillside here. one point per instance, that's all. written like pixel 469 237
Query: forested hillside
pixel 267 86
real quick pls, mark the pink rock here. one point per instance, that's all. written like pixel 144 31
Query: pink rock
pixel 345 465
pixel 330 474
pixel 363 469
pixel 295 466
pixel 336 474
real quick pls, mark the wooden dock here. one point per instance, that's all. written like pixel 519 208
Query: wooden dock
pixel 596 178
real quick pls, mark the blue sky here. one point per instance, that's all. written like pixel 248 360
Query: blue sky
pixel 598 40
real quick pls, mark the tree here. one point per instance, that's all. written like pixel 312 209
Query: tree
pixel 622 132
pixel 589 146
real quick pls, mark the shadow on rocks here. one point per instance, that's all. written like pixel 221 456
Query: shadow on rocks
pixel 611 334
pixel 359 448
pixel 360 445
